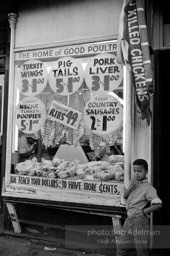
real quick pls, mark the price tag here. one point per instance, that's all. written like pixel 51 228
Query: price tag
pixel 103 73
pixel 32 77
pixel 30 115
pixel 66 76
pixel 103 114
pixel 64 114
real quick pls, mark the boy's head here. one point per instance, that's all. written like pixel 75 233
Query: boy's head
pixel 140 169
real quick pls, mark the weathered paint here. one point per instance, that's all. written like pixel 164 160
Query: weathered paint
pixel 14 217
pixel 67 21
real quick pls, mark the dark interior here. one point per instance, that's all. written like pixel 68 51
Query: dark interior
pixel 161 136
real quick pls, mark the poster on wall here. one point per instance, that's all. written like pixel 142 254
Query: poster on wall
pixel 30 115
pixel 32 77
pixel 66 76
pixel 103 114
pixel 103 73
pixel 63 114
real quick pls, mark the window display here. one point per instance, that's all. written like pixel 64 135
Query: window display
pixel 68 129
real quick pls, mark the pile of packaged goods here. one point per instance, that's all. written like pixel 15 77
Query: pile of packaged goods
pixel 113 169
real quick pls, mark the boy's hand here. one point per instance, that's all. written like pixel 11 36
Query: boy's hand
pixel 133 183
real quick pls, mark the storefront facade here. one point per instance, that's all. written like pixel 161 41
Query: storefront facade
pixel 74 102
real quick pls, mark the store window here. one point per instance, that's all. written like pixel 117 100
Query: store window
pixel 68 119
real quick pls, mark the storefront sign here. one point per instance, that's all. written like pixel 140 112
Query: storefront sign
pixel 30 114
pixel 113 188
pixel 31 78
pixel 66 76
pixel 103 73
pixel 103 114
pixel 73 50
pixel 64 114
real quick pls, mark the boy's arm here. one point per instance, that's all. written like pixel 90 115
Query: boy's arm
pixel 155 201
pixel 132 186
pixel 152 208
pixel 127 192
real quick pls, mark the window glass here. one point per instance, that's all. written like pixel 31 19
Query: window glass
pixel 69 118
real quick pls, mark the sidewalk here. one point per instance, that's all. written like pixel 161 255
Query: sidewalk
pixel 11 245
pixel 15 246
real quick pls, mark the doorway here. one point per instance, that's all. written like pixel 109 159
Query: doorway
pixel 161 141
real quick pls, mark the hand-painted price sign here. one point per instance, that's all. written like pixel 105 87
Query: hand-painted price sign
pixel 31 78
pixel 103 114
pixel 30 115
pixel 66 76
pixel 103 73
pixel 64 114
